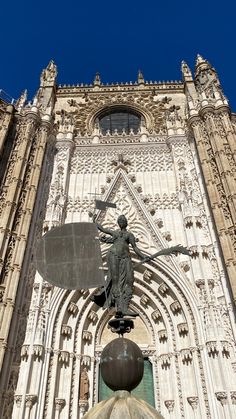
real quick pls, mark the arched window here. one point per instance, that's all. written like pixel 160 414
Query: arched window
pixel 119 120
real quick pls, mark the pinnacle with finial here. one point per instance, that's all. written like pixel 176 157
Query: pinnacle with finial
pixel 140 77
pixel 97 79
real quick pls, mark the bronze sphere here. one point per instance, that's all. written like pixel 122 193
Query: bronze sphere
pixel 122 364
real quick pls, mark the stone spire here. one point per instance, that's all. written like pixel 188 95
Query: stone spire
pixel 20 103
pixel 202 64
pixel 186 72
pixel 48 75
pixel 46 94
pixel 97 80
pixel 140 77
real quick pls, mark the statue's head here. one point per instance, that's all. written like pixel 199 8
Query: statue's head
pixel 122 221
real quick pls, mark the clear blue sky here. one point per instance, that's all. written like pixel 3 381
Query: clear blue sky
pixel 115 38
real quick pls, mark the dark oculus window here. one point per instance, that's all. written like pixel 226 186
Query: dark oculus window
pixel 119 121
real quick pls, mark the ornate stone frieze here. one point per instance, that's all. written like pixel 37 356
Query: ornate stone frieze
pixel 85 108
pixel 142 160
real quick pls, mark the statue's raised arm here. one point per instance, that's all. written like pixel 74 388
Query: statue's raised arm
pixel 104 230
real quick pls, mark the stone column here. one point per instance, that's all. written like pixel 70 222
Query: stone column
pixel 61 171
pixel 193 401
pixel 83 407
pixel 15 176
pixel 217 195
pixel 59 404
pixel 5 125
pixel 21 230
pixel 30 400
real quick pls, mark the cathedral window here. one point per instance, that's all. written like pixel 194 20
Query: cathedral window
pixel 119 121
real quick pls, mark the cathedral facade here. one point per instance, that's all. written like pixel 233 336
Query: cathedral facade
pixel 165 154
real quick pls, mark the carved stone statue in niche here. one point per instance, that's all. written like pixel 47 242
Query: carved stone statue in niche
pixel 84 385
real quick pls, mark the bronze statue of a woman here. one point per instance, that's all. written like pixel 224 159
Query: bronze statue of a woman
pixel 120 278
